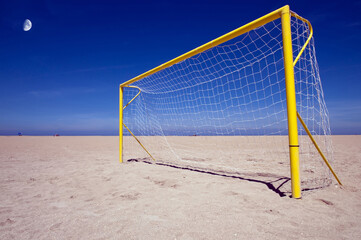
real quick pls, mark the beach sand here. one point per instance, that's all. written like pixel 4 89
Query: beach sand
pixel 75 188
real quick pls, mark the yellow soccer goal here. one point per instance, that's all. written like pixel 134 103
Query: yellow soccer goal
pixel 232 106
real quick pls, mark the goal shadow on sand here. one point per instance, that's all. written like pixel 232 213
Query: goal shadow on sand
pixel 276 183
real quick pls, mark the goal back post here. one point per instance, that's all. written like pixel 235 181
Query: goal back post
pixel 285 15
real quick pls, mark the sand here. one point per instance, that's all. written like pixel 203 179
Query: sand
pixel 75 188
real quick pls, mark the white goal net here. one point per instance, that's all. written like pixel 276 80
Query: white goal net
pixel 224 111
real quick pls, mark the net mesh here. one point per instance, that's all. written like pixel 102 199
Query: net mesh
pixel 224 110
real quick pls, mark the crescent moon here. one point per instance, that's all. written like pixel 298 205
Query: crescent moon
pixel 27 25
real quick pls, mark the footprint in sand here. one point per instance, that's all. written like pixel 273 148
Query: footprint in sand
pixel 131 196
pixel 326 202
pixel 6 222
pixel 55 226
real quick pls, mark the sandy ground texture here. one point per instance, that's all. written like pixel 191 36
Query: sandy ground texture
pixel 75 188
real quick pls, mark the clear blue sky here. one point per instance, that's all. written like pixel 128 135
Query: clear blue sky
pixel 62 76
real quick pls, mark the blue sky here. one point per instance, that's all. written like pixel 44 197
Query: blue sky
pixel 62 76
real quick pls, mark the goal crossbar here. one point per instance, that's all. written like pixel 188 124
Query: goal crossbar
pixel 224 38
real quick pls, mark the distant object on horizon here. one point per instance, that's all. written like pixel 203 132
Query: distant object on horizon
pixel 20 134
pixel 56 135
pixel 27 25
